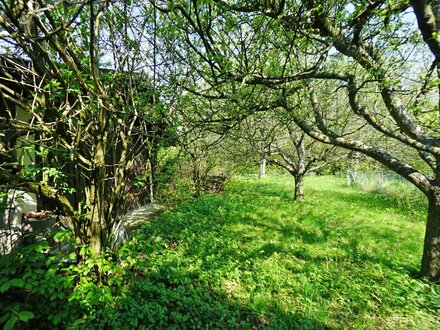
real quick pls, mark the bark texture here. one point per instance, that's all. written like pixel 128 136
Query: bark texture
pixel 431 250
pixel 299 188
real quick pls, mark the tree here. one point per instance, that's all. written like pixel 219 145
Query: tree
pixel 300 155
pixel 259 131
pixel 198 138
pixel 365 52
pixel 276 139
pixel 90 124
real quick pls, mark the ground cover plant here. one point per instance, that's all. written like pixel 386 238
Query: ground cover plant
pixel 344 258
pixel 248 259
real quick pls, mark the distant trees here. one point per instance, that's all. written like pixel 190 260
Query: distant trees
pixel 258 131
pixel 299 155
pixel 273 138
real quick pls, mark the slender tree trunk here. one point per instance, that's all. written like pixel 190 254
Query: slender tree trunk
pixel 300 170
pixel 96 231
pixel 151 167
pixel 150 180
pixel 98 227
pixel 431 249
pixel 197 179
pixel 262 168
pixel 298 194
pixel 352 175
pixel 96 236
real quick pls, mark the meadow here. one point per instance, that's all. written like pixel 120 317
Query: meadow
pixel 252 258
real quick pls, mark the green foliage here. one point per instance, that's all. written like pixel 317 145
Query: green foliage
pixel 265 261
pixel 34 288
pixel 13 316
pixel 248 259
pixel 170 185
pixel 97 281
pixel 52 290
pixel 179 189
pixel 156 305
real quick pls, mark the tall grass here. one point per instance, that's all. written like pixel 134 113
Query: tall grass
pixel 253 258
pixel 403 194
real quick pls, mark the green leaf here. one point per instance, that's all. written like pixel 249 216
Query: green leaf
pixel 57 318
pixel 18 282
pixel 49 273
pixel 5 287
pixel 11 322
pixel 4 317
pixel 76 324
pixel 25 316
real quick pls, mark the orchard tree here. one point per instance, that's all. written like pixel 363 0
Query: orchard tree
pixel 299 155
pixel 369 54
pixel 199 137
pixel 277 140
pixel 259 131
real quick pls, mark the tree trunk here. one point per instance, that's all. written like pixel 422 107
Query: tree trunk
pixel 352 175
pixel 150 180
pixel 263 168
pixel 98 226
pixel 96 237
pixel 298 194
pixel 197 179
pixel 431 249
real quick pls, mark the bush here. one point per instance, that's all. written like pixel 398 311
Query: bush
pixel 38 288
pixel 35 288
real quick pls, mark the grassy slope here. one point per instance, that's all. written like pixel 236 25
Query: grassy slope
pixel 254 258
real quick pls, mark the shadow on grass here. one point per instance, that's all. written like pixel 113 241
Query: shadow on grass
pixel 170 298
pixel 321 233
pixel 187 279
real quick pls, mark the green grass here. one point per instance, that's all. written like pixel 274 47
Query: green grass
pixel 253 258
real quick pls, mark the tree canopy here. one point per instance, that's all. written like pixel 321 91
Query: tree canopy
pixel 341 69
pixel 361 75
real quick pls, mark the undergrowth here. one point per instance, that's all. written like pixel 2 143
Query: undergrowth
pixel 252 258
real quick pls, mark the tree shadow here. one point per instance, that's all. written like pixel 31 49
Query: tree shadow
pixel 195 247
pixel 185 280
pixel 172 297
pixel 205 218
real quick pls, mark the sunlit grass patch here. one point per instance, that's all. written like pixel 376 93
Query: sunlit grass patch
pixel 253 258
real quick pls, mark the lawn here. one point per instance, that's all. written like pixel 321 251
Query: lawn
pixel 253 258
